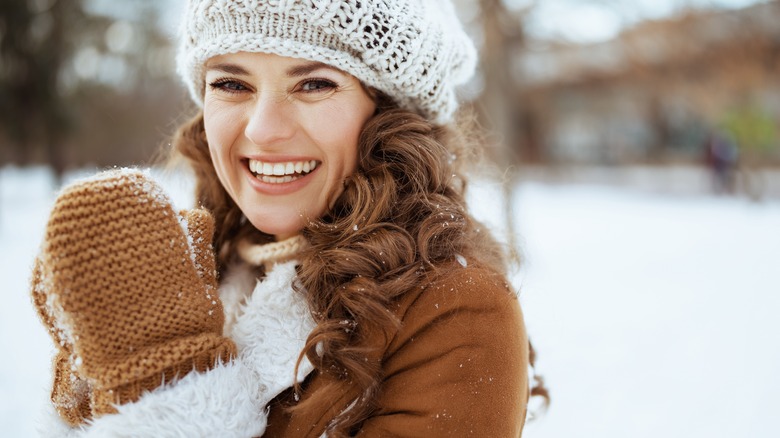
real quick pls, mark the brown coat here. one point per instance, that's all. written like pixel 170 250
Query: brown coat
pixel 458 366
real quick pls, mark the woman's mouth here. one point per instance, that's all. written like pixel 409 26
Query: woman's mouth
pixel 281 172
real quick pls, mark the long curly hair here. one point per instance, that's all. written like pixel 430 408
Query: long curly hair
pixel 401 215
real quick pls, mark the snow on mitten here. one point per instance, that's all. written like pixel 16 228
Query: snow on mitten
pixel 129 288
pixel 200 230
pixel 70 394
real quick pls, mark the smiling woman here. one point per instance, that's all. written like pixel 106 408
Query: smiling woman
pixel 333 282
pixel 283 135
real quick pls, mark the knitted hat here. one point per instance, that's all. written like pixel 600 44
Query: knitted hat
pixel 415 51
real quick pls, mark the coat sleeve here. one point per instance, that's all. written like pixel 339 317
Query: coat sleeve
pixel 459 364
pixel 223 401
pixel 230 399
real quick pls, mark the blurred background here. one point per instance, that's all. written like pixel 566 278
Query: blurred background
pixel 633 163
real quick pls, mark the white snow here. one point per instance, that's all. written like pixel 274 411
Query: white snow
pixel 652 315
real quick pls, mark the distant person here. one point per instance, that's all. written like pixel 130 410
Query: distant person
pixel 722 158
pixel 333 283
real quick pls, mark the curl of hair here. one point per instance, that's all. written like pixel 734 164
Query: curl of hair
pixel 401 214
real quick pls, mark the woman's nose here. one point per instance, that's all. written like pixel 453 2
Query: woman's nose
pixel 271 121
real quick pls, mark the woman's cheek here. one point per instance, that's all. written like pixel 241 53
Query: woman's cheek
pixel 221 116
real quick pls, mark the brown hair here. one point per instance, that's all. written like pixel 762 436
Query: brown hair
pixel 402 214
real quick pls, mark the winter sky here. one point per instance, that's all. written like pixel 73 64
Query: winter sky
pixel 581 21
pixel 587 21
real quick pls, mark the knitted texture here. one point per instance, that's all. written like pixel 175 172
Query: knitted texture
pixel 70 393
pixel 415 51
pixel 127 289
pixel 274 252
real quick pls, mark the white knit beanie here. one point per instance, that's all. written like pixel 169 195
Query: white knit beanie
pixel 415 51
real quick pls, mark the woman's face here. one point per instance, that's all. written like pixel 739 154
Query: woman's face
pixel 283 135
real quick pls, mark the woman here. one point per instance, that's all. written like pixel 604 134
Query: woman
pixel 356 295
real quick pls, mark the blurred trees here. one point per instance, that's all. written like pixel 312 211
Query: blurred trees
pixel 503 33
pixel 80 87
pixel 752 129
pixel 33 48
pixel 651 94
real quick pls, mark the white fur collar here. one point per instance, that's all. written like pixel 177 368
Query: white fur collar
pixel 271 327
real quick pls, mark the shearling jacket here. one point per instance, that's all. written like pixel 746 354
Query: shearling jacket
pixel 457 366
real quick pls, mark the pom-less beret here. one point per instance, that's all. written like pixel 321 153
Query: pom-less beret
pixel 415 51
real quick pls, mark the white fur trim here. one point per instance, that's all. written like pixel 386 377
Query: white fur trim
pixel 222 402
pixel 273 328
pixel 51 425
pixel 238 284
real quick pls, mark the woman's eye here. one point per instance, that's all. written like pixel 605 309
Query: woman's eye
pixel 315 85
pixel 228 86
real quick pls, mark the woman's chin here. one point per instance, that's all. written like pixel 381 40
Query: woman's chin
pixel 280 228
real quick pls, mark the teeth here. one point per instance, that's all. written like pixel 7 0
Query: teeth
pixel 288 171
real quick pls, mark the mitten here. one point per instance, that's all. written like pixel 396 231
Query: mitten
pixel 70 394
pixel 128 290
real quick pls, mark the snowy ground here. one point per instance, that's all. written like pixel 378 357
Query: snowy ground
pixel 653 315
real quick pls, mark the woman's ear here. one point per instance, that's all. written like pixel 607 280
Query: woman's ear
pixel 371 91
pixel 382 101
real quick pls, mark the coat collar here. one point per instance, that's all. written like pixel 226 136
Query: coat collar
pixel 269 322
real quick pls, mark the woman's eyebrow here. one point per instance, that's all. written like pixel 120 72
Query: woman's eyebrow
pixel 232 69
pixel 305 69
pixel 294 71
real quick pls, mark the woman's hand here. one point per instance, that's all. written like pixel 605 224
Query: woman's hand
pixel 127 289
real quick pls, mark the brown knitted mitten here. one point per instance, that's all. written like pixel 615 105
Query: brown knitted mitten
pixel 70 393
pixel 127 294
